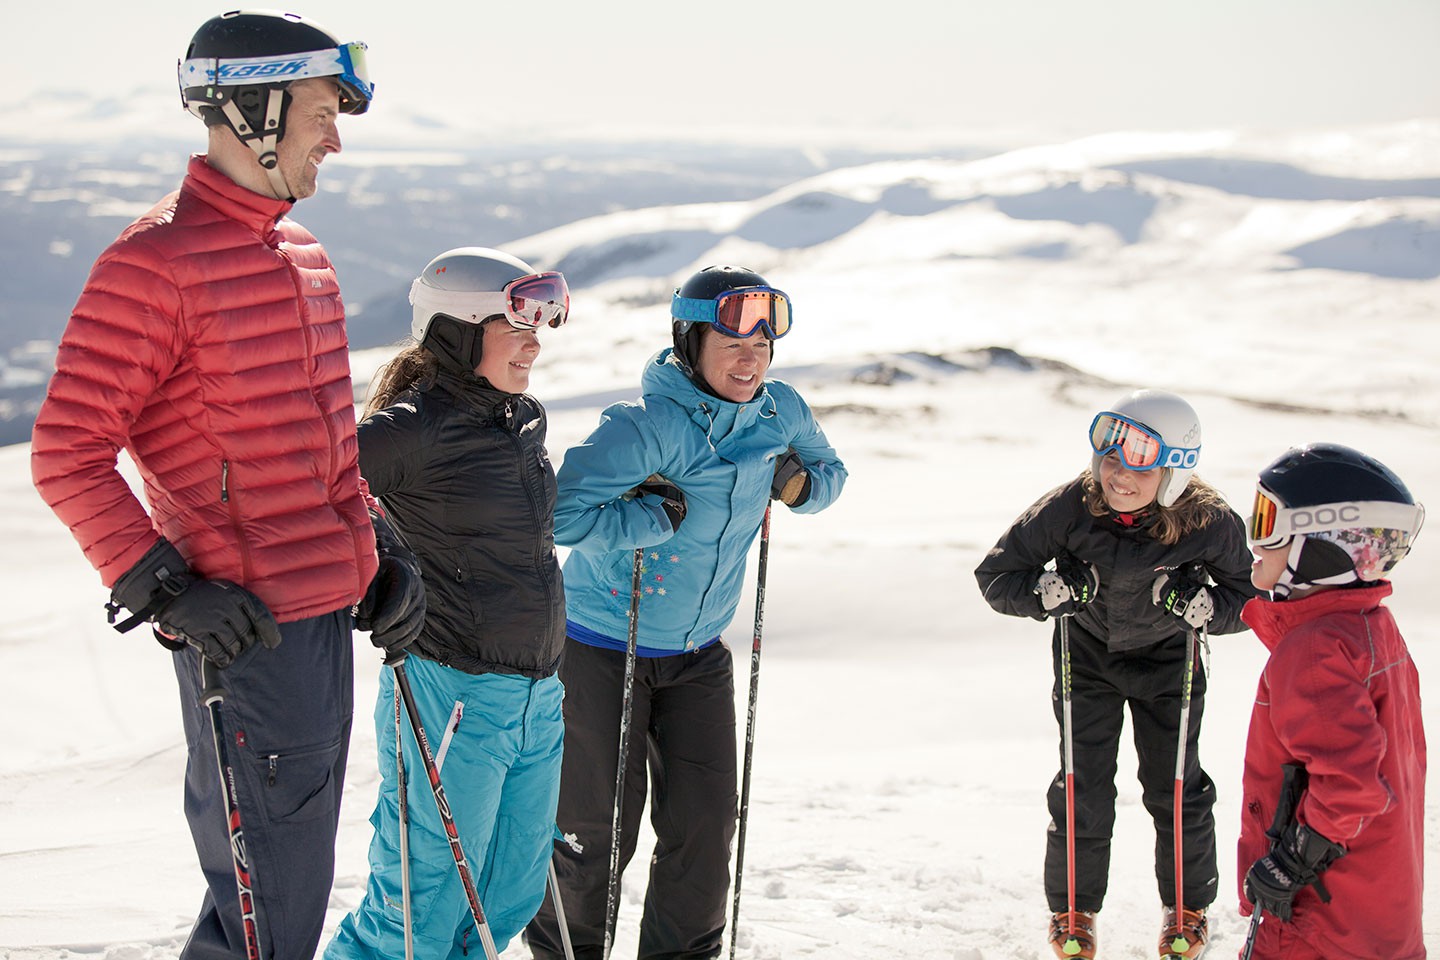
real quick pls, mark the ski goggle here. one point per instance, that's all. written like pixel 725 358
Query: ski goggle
pixel 1139 447
pixel 525 302
pixel 345 63
pixel 739 312
pixel 1272 524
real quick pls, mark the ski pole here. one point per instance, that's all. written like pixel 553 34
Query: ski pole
pixel 750 724
pixel 212 695
pixel 396 662
pixel 612 895
pixel 560 913
pixel 1181 944
pixel 1249 947
pixel 404 834
pixel 1072 945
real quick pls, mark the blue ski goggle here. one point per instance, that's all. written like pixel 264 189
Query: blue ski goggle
pixel 1139 447
pixel 739 312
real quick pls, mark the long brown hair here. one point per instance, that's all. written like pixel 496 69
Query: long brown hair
pixel 1196 507
pixel 411 367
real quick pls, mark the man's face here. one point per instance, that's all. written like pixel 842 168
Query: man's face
pixel 310 133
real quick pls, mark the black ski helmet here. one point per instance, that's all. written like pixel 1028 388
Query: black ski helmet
pixel 238 65
pixel 1346 542
pixel 707 284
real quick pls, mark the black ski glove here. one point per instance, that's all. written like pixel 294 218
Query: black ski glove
pixel 1069 586
pixel 1295 861
pixel 1184 592
pixel 219 618
pixel 672 498
pixel 791 482
pixel 393 608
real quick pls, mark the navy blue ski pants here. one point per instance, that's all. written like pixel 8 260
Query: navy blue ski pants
pixel 286 723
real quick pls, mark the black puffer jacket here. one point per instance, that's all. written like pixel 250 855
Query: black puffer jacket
pixel 462 470
pixel 1128 559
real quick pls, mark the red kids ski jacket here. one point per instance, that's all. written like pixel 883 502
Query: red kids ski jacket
pixel 209 342
pixel 1341 696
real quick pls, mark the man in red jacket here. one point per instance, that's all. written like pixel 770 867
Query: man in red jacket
pixel 1339 874
pixel 209 343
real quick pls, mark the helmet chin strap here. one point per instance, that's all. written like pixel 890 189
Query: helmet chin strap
pixel 264 144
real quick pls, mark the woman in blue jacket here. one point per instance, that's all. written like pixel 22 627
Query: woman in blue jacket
pixel 455 449
pixel 685 473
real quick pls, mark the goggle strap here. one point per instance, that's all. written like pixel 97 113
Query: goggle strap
pixel 1362 514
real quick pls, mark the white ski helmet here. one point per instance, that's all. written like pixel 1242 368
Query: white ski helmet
pixel 1166 418
pixel 462 288
pixel 1346 516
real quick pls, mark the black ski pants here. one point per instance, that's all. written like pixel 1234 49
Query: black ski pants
pixel 1149 681
pixel 286 723
pixel 683 726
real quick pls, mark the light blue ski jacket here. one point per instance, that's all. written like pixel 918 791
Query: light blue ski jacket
pixel 722 456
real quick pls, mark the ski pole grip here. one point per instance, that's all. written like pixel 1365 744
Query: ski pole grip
pixel 211 689
pixel 394 658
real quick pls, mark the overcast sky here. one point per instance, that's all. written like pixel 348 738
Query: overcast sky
pixel 954 68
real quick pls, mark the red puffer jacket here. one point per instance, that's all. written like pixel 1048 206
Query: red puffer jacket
pixel 1341 696
pixel 209 342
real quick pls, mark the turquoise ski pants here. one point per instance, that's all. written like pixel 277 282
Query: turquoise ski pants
pixel 497 740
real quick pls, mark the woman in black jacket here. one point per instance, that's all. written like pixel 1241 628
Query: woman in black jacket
pixel 1141 556
pixel 455 450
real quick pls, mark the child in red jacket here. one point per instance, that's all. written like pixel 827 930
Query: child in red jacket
pixel 1339 704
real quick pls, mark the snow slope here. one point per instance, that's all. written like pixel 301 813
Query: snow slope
pixel 957 326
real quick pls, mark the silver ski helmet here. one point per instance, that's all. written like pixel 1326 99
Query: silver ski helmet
pixel 1146 424
pixel 461 289
pixel 238 67
pixel 1346 516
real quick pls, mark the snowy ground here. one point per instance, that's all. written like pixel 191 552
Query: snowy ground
pixel 905 738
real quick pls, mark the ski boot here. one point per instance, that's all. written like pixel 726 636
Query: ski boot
pixel 1186 939
pixel 1080 946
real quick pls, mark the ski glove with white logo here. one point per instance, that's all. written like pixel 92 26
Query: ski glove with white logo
pixel 672 498
pixel 393 608
pixel 1295 861
pixel 1183 592
pixel 1069 586
pixel 219 618
pixel 791 482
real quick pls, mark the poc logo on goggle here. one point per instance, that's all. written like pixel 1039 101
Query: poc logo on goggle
pixel 247 71
pixel 1323 518
pixel 1180 459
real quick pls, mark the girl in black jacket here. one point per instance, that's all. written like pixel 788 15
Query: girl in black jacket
pixel 1133 559
pixel 455 450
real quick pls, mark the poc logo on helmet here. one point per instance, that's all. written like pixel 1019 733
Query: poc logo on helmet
pixel 1323 517
pixel 1182 459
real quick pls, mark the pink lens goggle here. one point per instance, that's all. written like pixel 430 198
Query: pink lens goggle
pixel 525 302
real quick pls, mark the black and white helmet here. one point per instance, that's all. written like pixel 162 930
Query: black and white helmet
pixel 239 64
pixel 1347 517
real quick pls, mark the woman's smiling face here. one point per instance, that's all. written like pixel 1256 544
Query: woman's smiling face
pixel 734 367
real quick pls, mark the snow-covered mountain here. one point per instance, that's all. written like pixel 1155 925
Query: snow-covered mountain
pixel 958 322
